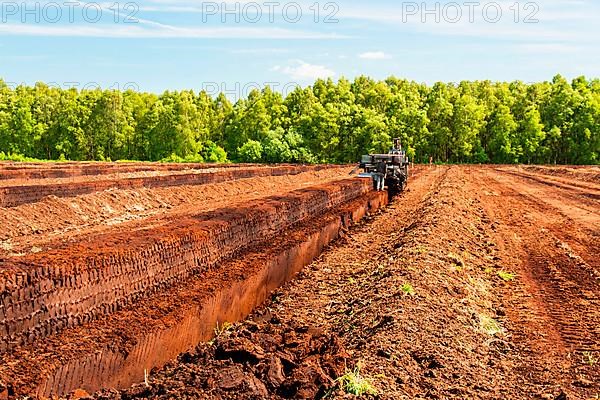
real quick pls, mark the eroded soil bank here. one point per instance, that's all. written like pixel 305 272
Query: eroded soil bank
pixel 475 284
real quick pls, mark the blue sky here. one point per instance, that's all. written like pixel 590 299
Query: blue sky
pixel 156 45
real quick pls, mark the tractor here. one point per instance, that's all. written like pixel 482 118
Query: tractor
pixel 387 170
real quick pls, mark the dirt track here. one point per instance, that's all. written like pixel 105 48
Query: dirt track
pixel 479 282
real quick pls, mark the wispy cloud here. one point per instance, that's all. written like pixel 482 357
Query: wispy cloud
pixel 549 48
pixel 374 55
pixel 160 31
pixel 303 71
pixel 195 6
pixel 260 51
pixel 148 28
pixel 542 22
pixel 23 57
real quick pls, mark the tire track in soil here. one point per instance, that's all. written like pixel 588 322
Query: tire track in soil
pixel 554 306
pixel 587 193
pixel 563 215
pixel 580 174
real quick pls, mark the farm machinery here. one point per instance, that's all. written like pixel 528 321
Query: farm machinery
pixel 387 170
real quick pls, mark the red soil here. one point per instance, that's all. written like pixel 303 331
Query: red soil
pixel 95 266
pixel 26 171
pixel 53 221
pixel 478 282
pixel 15 192
pixel 463 329
pixel 114 348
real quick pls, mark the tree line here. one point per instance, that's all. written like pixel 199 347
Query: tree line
pixel 328 122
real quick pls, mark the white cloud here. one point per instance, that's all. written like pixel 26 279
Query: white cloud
pixel 550 48
pixel 374 55
pixel 260 51
pixel 304 71
pixel 149 29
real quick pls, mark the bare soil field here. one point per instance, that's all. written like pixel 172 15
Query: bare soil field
pixel 585 173
pixel 478 282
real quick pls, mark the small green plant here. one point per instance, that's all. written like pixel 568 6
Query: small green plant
pixel 489 325
pixel 354 383
pixel 589 359
pixel 506 276
pixel 408 289
pixel 225 326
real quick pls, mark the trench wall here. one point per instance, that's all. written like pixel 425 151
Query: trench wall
pixel 267 270
pixel 42 294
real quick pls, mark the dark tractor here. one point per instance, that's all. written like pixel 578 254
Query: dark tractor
pixel 387 170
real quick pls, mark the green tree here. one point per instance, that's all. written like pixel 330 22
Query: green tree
pixel 250 152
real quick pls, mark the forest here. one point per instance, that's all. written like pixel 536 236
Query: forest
pixel 555 122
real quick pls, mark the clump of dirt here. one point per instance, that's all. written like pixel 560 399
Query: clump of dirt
pixel 260 359
pixel 4 390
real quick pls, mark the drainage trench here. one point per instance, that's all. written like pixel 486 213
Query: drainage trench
pixel 225 292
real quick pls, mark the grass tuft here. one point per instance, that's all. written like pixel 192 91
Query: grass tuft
pixel 408 289
pixel 354 383
pixel 589 359
pixel 506 276
pixel 225 327
pixel 421 249
pixel 489 325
